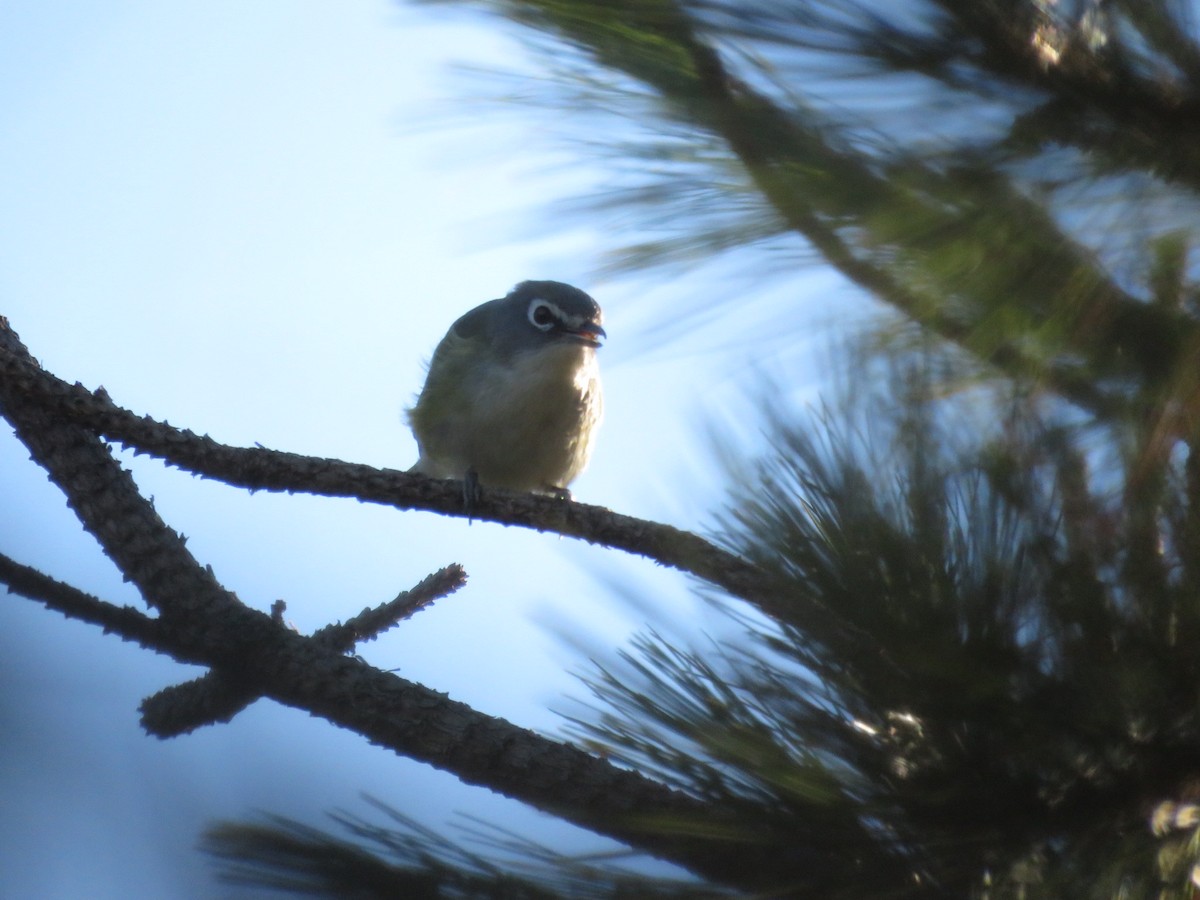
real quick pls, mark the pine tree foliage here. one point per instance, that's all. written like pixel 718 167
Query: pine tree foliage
pixel 973 667
pixel 986 681
pixel 392 855
pixel 1014 175
pixel 990 675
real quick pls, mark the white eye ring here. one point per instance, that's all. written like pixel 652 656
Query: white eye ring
pixel 544 315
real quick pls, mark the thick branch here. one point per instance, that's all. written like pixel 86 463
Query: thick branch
pixel 415 721
pixel 205 622
pixel 271 470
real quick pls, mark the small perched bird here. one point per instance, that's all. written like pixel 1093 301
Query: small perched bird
pixel 512 398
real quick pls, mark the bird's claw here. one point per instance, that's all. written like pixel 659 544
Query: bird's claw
pixel 472 492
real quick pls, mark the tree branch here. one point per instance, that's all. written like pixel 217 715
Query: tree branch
pixel 372 622
pixel 125 621
pixel 272 470
pixel 201 621
pixel 220 695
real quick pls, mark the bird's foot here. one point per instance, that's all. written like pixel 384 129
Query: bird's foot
pixel 559 493
pixel 472 492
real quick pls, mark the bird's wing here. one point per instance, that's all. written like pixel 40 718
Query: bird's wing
pixel 450 383
pixel 471 329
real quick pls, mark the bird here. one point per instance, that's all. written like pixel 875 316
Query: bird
pixel 512 398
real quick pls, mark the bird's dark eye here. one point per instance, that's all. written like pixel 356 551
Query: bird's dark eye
pixel 542 315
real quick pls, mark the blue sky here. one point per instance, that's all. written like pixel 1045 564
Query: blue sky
pixel 256 220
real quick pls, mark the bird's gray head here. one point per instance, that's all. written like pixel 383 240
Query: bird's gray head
pixel 539 313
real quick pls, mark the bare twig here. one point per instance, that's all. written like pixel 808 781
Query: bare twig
pixel 220 695
pixel 216 696
pixel 124 621
pixel 370 623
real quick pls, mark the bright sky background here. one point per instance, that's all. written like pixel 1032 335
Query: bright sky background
pixel 253 220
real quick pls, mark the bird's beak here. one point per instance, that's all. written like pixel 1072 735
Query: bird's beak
pixel 589 333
